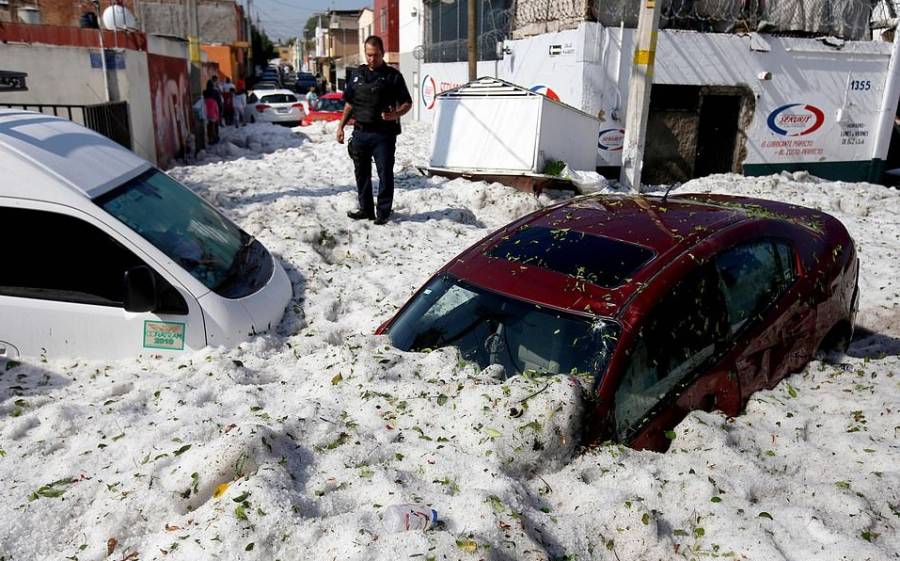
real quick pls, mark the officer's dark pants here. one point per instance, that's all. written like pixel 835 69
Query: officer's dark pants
pixel 364 146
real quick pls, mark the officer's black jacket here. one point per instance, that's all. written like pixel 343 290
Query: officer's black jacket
pixel 372 92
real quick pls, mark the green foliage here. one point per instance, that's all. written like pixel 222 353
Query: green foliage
pixel 699 532
pixel 554 168
pixel 51 490
pixel 263 49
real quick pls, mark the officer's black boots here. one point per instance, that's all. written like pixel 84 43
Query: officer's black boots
pixel 362 215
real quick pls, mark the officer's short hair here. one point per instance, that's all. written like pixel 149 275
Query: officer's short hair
pixel 375 41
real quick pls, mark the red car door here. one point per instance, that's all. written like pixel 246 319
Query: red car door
pixel 769 321
pixel 673 363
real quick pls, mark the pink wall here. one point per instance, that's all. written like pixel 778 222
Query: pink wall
pixel 170 94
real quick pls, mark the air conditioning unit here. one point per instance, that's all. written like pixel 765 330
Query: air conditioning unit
pixel 29 14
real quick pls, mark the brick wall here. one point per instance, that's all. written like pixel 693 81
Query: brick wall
pixel 68 12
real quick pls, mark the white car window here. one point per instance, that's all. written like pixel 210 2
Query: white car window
pixel 191 232
pixel 59 257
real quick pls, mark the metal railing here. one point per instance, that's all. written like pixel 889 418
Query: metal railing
pixel 109 119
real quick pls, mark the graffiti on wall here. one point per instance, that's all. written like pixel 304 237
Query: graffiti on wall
pixel 170 95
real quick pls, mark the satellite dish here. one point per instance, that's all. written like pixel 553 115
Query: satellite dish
pixel 118 18
pixel 418 52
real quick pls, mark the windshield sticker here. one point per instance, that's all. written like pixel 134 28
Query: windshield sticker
pixel 163 335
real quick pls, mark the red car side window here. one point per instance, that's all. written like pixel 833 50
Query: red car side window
pixel 752 276
pixel 786 259
pixel 681 335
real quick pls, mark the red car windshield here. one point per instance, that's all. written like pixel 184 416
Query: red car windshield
pixel 489 328
pixel 330 105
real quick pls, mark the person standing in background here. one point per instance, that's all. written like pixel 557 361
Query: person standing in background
pixel 311 99
pixel 240 104
pixel 376 96
pixel 210 98
pixel 228 101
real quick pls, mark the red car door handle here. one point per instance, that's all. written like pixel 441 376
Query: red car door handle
pixel 756 359
pixel 794 328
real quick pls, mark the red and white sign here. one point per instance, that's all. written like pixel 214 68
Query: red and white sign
pixel 796 119
pixel 611 140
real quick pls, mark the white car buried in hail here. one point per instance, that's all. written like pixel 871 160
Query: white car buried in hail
pixel 113 258
pixel 274 106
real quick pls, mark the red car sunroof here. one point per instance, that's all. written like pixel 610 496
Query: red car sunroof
pixel 602 261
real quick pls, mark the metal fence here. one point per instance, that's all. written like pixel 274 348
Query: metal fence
pixel 848 19
pixel 109 119
pixel 446 29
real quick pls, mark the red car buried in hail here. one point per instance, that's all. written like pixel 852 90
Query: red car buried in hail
pixel 667 304
pixel 329 107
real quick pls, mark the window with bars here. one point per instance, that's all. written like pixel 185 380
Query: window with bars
pixel 446 29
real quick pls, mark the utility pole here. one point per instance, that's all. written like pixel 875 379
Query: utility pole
pixel 639 86
pixel 194 48
pixel 102 53
pixel 473 40
pixel 250 70
pixel 888 110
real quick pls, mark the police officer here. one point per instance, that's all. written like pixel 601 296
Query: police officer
pixel 376 96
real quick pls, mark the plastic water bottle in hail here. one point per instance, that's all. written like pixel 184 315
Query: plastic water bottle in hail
pixel 401 518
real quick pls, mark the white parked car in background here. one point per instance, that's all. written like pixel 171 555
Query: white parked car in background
pixel 266 86
pixel 274 106
pixel 113 258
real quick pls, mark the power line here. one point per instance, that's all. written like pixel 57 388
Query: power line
pixel 287 5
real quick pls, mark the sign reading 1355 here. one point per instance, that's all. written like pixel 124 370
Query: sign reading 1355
pixel 860 85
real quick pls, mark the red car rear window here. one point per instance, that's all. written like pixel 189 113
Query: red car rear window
pixel 602 261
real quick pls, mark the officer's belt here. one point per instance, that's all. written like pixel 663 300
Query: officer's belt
pixel 372 127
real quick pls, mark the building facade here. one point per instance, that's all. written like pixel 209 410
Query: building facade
pixel 725 98
pixel 386 14
pixel 409 45
pixel 148 73
pixel 366 25
pixel 337 46
pixel 64 13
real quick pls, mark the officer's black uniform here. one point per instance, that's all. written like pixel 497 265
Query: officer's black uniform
pixel 372 92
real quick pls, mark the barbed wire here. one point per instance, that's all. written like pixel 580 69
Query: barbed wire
pixel 847 19
pixel 543 11
pixel 495 26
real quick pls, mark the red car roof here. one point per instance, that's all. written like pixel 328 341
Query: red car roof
pixel 666 229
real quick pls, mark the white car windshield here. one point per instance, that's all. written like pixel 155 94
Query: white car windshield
pixel 489 328
pixel 191 232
